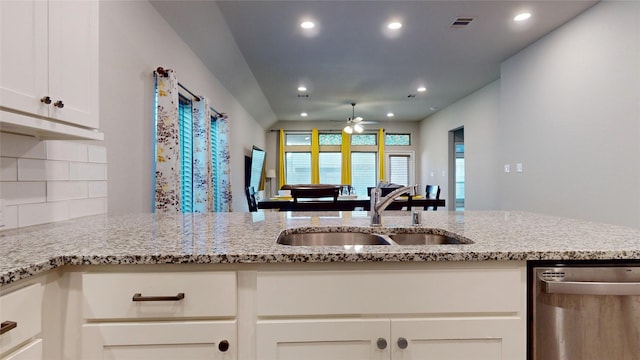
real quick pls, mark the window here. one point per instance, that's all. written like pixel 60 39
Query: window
pixel 397 139
pixel 364 159
pixel 330 139
pixel 298 139
pixel 185 116
pixel 399 169
pixel 363 139
pixel 330 167
pixel 298 167
pixel 363 171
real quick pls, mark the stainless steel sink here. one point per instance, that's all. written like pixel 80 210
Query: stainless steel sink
pixel 330 239
pixel 368 236
pixel 424 239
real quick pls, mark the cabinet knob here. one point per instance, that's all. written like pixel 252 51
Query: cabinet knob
pixel 381 343
pixel 46 100
pixel 223 345
pixel 402 343
pixel 59 104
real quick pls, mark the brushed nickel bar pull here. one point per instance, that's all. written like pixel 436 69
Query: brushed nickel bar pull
pixel 591 288
pixel 139 297
pixel 7 326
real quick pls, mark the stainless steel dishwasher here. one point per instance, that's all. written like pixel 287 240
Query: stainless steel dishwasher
pixel 585 312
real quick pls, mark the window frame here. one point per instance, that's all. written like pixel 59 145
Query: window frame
pixel 412 162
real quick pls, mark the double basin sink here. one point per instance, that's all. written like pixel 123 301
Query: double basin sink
pixel 341 236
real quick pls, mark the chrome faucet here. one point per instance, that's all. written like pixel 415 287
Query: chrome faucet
pixel 379 203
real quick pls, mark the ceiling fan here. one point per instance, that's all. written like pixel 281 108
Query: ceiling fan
pixel 354 123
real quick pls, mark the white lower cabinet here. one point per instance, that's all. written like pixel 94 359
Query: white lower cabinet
pixel 31 351
pixel 457 339
pixel 21 324
pixel 160 340
pixel 163 315
pixel 443 339
pixel 454 313
pixel 323 339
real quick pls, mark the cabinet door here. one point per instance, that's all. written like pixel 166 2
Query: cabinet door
pixel 73 61
pixel 31 351
pixel 323 339
pixel 478 338
pixel 193 340
pixel 23 56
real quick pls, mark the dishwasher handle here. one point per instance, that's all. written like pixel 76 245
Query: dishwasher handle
pixel 590 287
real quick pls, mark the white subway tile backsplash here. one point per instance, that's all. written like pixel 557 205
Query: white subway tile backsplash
pixel 67 190
pixel 97 154
pixel 86 207
pixel 27 192
pixel 34 214
pixel 10 217
pixel 32 170
pixel 87 171
pixel 19 146
pixel 49 181
pixel 65 150
pixel 97 189
pixel 37 170
pixel 57 170
pixel 8 169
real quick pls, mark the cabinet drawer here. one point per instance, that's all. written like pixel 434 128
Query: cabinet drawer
pixel 32 351
pixel 206 294
pixel 24 308
pixel 192 340
pixel 465 290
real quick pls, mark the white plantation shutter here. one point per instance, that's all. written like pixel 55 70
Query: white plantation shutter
pixel 399 168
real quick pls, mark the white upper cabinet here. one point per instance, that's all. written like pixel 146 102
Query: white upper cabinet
pixel 49 61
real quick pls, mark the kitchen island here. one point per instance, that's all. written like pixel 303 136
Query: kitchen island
pixel 250 238
pixel 230 292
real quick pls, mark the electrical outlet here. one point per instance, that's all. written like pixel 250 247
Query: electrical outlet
pixel 519 167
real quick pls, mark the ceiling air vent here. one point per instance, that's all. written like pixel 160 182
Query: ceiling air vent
pixel 461 22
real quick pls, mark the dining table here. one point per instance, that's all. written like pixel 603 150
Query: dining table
pixel 346 203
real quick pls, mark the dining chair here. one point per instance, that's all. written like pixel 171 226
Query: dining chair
pixel 251 198
pixel 315 192
pixel 432 192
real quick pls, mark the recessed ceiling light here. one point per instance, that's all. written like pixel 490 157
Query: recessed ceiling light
pixel 390 114
pixel 304 114
pixel 522 16
pixel 422 89
pixel 307 25
pixel 394 25
pixel 302 88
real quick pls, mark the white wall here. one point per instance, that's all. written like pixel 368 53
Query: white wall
pixel 134 41
pixel 571 114
pixel 478 114
pixel 569 111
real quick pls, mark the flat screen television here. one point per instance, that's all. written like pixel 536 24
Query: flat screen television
pixel 256 169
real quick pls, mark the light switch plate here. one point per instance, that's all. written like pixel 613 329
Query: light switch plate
pixel 519 167
pixel 507 168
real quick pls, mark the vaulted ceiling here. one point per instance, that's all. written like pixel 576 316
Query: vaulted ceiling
pixel 350 55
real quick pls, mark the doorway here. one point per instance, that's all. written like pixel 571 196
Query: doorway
pixel 456 168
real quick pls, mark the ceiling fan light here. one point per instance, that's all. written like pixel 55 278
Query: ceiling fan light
pixel 348 129
pixel 358 128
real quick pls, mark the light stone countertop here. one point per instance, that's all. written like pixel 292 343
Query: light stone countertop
pixel 250 238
